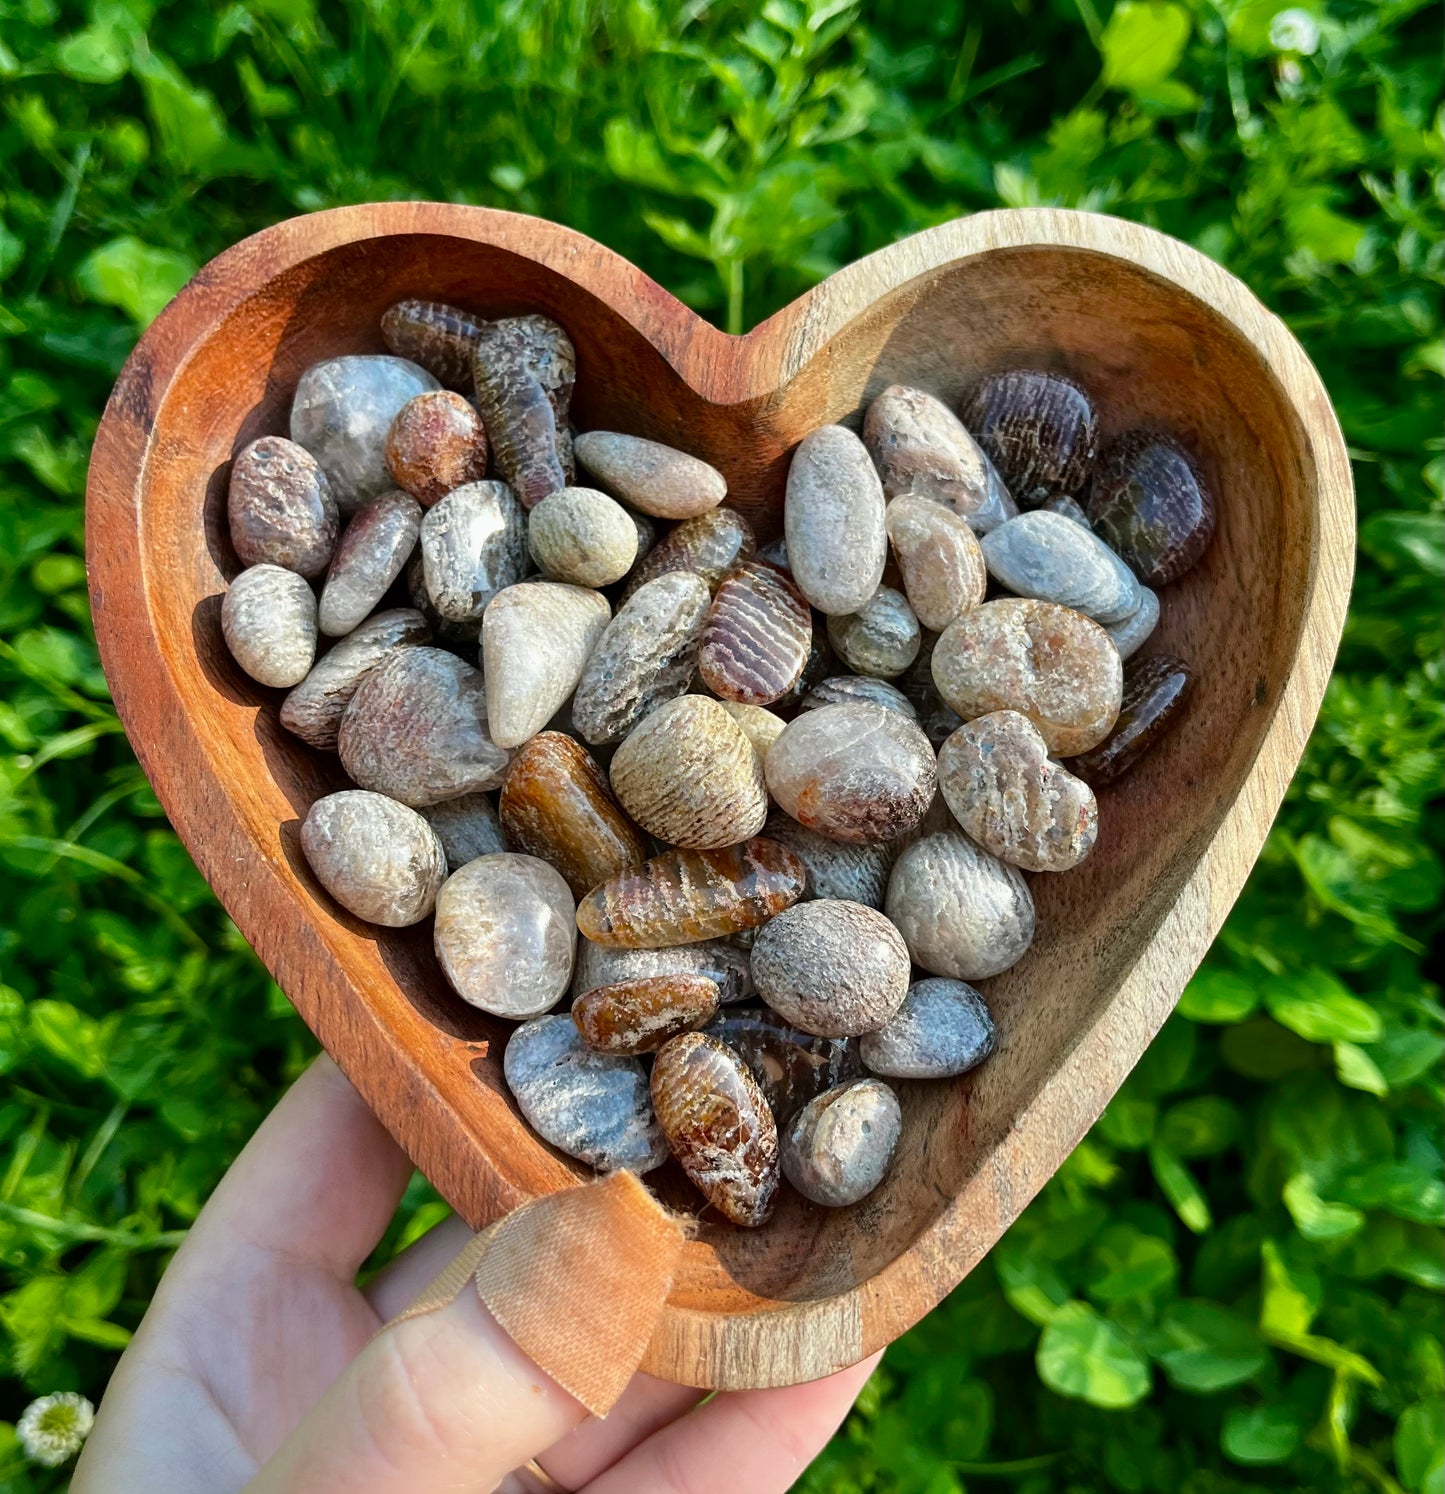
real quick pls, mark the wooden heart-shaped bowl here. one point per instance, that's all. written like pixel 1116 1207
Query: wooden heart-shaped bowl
pixel 1153 329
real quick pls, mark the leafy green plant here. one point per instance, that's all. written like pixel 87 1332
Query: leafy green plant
pixel 1235 1282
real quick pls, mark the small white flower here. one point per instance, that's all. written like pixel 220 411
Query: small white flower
pixel 1294 30
pixel 53 1428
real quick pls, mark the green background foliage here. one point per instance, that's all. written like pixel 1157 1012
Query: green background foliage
pixel 1234 1283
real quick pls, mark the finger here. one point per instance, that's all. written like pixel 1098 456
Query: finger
pixel 646 1406
pixel 758 1440
pixel 400 1281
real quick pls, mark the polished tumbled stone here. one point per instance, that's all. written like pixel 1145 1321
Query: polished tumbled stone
pixel 441 338
pixel 341 413
pixel 314 709
pixel 857 689
pixel 505 934
pixel 756 636
pixel 882 638
pixel 374 549
pixel 525 367
pixel 709 546
pixel 592 1106
pixel 923 450
pixel 416 729
pixel 473 545
pixel 836 868
pixel 853 772
pixel 942 1029
pixel 1039 430
pixel 961 911
pixel 638 1016
pixel 940 560
pixel 721 961
pixel 840 1145
pixel 377 858
pixel 467 827
pixel 790 1065
pixel 1155 692
pixel 833 520
pixel 268 619
pixel 1048 557
pixel 1056 666
pixel 1152 504
pixel 1134 631
pixel 583 537
pixel 651 477
pixel 435 444
pixel 280 507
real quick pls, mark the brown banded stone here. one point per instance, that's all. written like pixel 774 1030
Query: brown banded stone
pixel 1012 798
pixel 683 896
pixel 1056 666
pixel 833 521
pixel 840 1145
pixel 718 1125
pixel 525 367
pixel 280 507
pixel 940 560
pixel 583 537
pixel 853 772
pixel 268 619
pixel 651 477
pixel 556 805
pixel 439 337
pixel 710 546
pixel 790 1065
pixel 857 689
pixel 720 960
pixel 1155 692
pixel 435 444
pixel 836 868
pixel 473 545
pixel 377 858
pixel 923 450
pixel 942 1029
pixel 374 549
pixel 638 1016
pixel 756 637
pixel 1039 430
pixel 1151 503
pixel 882 638
pixel 688 774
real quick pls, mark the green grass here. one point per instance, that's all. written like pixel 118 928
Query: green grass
pixel 1234 1284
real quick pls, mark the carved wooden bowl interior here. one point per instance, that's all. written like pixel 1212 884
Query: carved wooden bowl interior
pixel 1155 331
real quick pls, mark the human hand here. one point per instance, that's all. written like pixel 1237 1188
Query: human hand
pixel 257 1368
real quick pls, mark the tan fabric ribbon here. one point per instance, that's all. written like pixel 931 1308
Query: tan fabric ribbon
pixel 577 1279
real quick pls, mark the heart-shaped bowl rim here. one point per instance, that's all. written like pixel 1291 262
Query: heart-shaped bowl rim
pixel 420 1071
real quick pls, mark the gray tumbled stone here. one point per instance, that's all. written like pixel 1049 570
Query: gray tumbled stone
pixel 1049 558
pixel 942 1029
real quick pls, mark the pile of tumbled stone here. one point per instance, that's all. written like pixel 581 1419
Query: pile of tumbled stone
pixel 731 799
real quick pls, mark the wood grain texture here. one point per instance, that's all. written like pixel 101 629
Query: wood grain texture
pixel 1155 331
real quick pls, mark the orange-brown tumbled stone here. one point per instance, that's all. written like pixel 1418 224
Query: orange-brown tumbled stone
pixel 718 1125
pixel 681 897
pixel 435 444
pixel 756 638
pixel 638 1016
pixel 556 805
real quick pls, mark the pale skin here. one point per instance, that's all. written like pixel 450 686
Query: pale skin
pixel 257 1367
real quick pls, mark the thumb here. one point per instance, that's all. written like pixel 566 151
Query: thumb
pixel 541 1320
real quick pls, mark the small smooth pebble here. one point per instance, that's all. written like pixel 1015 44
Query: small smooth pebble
pixel 1069 508
pixel 441 338
pixel 1052 559
pixel 639 1016
pixel 683 896
pixel 710 546
pixel 756 636
pixel 923 450
pixel 688 774
pixel 1134 631
pixel 1012 798
pixel 377 858
pixel 314 709
pixel 939 558
pixel 592 1106
pixel 833 521
pixel 280 507
pixel 1053 664
pixel 719 960
pixel 881 639
pixel 1039 430
pixel 341 413
pixel 651 477
pixel 435 444
pixel 505 934
pixel 853 772
pixel 416 729
pixel 840 1146
pixel 718 1125
pixel 582 536
pixel 473 545
pixel 536 640
pixel 1155 692
pixel 268 619
pixel 858 689
pixel 942 1029
pixel 831 967
pixel 375 547
pixel 961 911
pixel 467 827
pixel 790 1065
pixel 645 656
pixel 556 804
pixel 1151 503
pixel 836 868
pixel 525 367
pixel 760 726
